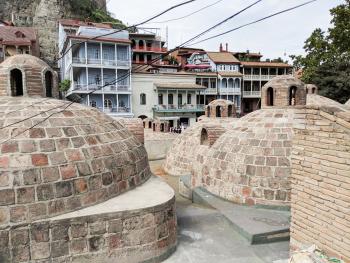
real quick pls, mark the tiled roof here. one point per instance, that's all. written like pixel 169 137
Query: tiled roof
pixel 78 23
pixel 10 35
pixel 223 57
pixel 265 64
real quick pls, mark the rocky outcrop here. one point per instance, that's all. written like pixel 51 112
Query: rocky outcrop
pixel 42 15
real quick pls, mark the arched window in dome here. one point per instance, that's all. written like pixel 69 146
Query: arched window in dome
pixel 48 84
pixel 218 111
pixel 108 104
pixel 143 99
pixel 269 96
pixel 307 91
pixel 204 137
pixel 16 82
pixel 292 95
pixel 313 90
pixel 93 104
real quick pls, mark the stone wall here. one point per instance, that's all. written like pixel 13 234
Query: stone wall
pixel 321 180
pixel 128 236
pixel 43 16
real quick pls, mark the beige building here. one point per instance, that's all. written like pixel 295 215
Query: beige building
pixel 171 96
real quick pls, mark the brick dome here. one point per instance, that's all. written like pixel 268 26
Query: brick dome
pixel 244 160
pixel 283 91
pixel 76 158
pixel 26 75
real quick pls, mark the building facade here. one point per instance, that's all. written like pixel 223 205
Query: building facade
pixel 101 65
pixel 172 97
pixel 147 45
pixel 220 73
pixel 17 40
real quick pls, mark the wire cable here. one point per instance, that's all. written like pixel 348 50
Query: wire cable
pixel 254 22
pixel 188 15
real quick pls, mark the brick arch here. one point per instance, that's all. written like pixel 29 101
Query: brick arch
pixel 54 82
pixel 24 79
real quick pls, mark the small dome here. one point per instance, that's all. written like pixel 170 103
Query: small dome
pixel 283 91
pixel 77 158
pixel 26 75
pixel 311 89
pixel 220 108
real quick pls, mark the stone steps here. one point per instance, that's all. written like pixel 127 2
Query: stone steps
pixel 258 225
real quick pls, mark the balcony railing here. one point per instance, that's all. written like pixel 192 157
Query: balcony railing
pixel 252 94
pixel 198 107
pixel 230 90
pixel 109 88
pixel 106 62
pixel 211 91
pixel 151 49
pixel 115 110
pixel 259 77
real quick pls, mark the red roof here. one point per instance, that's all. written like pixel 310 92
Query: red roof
pixel 78 23
pixel 10 35
pixel 102 39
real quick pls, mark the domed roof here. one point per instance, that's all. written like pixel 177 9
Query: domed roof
pixel 220 102
pixel 284 81
pixel 76 158
pixel 24 60
pixel 250 163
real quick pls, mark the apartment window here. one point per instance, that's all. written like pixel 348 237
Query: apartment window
pixel 189 99
pixel 170 99
pixel 213 83
pixel 97 54
pixel 143 99
pixel 108 104
pixel 93 104
pixel 160 99
pixel 179 99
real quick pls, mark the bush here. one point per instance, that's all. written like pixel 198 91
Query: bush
pixel 65 85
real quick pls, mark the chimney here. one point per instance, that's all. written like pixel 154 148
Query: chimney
pixel 226 47
pixel 221 49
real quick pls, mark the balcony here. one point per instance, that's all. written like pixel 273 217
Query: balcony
pixel 211 91
pixel 235 91
pixel 150 49
pixel 100 88
pixel 258 77
pixel 179 108
pixel 105 62
pixel 116 110
pixel 252 94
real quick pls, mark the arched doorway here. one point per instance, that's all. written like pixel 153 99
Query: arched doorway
pixel 269 96
pixel 48 84
pixel 204 137
pixel 218 111
pixel 313 90
pixel 208 111
pixel 162 127
pixel 292 96
pixel 16 82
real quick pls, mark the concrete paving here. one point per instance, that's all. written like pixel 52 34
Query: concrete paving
pixel 206 236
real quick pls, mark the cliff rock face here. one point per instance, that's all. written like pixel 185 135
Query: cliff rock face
pixel 42 15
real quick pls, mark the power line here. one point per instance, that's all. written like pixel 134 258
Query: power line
pixel 254 22
pixel 188 15
pixel 125 28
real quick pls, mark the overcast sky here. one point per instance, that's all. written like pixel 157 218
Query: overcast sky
pixel 284 34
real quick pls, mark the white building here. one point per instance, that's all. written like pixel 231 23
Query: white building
pixel 219 72
pixel 171 96
pixel 95 65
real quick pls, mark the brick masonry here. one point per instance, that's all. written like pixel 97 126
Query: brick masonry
pixel 128 236
pixel 77 158
pixel 221 108
pixel 321 180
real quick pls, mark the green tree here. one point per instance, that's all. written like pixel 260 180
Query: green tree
pixel 326 62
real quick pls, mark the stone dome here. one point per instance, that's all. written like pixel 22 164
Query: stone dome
pixel 283 91
pixel 311 89
pixel 26 75
pixel 245 160
pixel 77 158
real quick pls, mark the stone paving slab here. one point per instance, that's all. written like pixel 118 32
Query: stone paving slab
pixel 258 225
